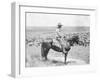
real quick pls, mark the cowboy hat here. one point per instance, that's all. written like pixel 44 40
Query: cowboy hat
pixel 59 25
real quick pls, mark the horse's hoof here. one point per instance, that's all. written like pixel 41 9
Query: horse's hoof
pixel 65 62
pixel 46 59
pixel 43 59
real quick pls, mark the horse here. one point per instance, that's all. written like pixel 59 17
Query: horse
pixel 65 46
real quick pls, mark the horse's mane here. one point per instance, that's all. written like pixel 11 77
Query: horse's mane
pixel 73 39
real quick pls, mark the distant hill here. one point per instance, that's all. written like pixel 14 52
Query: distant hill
pixel 64 29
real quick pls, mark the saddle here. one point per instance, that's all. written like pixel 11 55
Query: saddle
pixel 57 42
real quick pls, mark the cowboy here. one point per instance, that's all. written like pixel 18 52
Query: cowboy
pixel 59 36
pixel 59 33
pixel 58 30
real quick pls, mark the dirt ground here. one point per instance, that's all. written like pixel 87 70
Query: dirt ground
pixel 78 55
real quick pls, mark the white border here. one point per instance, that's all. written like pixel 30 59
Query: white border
pixel 20 69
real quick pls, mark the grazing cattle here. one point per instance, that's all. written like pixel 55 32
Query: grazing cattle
pixel 65 46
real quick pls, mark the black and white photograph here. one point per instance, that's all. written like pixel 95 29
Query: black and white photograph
pixel 56 39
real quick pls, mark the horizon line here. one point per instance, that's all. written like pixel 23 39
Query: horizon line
pixel 56 26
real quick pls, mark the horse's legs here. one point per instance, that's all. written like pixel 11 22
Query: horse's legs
pixel 65 57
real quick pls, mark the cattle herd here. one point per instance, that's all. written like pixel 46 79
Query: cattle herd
pixel 84 38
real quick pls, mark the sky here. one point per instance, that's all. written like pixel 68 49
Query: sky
pixel 40 20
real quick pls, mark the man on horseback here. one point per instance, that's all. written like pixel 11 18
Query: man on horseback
pixel 60 43
pixel 58 31
pixel 59 36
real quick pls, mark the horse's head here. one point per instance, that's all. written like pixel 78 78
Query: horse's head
pixel 73 40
